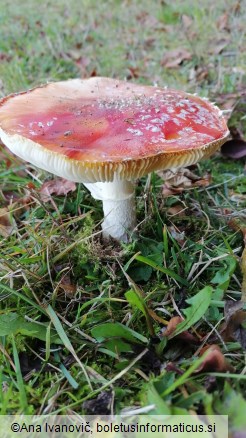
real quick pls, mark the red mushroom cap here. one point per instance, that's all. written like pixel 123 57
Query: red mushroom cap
pixel 89 130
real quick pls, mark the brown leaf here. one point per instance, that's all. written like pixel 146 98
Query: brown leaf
pixel 7 223
pixel 215 361
pixel 176 182
pixel 156 317
pixel 134 73
pixel 237 225
pixel 198 73
pixel 5 57
pixel 67 287
pixel 218 46
pixel 174 58
pixel 172 324
pixel 58 187
pixel 230 100
pixel 235 319
pixel 177 235
pixel 223 22
pixel 187 21
pixel 176 210
pixel 231 308
pixel 66 284
pixel 171 327
pixel 235 148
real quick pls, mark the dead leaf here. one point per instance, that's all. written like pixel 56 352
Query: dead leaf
pixel 7 223
pixel 67 286
pixel 176 210
pixel 5 57
pixel 168 191
pixel 187 21
pixel 235 149
pixel 171 327
pixel 238 225
pixel 223 22
pixel 215 361
pixel 156 317
pixel 57 187
pixel 176 182
pixel 218 46
pixel 174 58
pixel 230 100
pixel 199 73
pixel 177 235
pixel 134 73
pixel 234 327
pixel 172 324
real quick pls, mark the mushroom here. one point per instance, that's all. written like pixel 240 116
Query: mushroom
pixel 106 133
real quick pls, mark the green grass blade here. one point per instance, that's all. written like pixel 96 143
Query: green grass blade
pixel 20 382
pixel 166 271
pixel 61 333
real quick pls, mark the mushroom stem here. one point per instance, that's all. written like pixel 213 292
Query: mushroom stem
pixel 118 198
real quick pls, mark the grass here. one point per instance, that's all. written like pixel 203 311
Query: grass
pixel 82 323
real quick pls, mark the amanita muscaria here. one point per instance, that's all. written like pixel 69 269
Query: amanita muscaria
pixel 107 133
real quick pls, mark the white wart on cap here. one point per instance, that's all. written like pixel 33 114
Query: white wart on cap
pixel 109 132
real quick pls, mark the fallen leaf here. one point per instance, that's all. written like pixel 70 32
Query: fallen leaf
pixel 218 46
pixel 176 182
pixel 174 58
pixel 177 235
pixel 231 308
pixel 187 21
pixel 134 73
pixel 171 327
pixel 172 324
pixel 231 100
pixel 234 328
pixel 214 361
pixel 223 22
pixel 176 210
pixel 238 225
pixel 57 187
pixel 235 148
pixel 65 283
pixel 7 223
pixel 82 63
pixel 157 317
pixel 198 73
pixel 5 57
pixel 168 191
